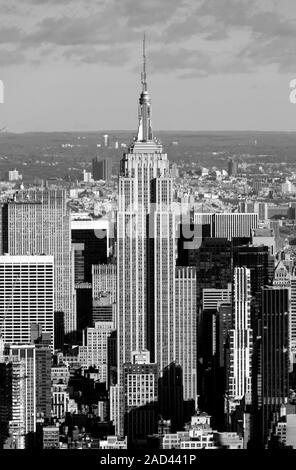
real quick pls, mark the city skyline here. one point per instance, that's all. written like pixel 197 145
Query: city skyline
pixel 148 303
pixel 227 63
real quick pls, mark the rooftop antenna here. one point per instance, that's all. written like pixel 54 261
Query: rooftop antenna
pixel 143 78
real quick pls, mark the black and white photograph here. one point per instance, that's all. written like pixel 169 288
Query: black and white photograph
pixel 147 230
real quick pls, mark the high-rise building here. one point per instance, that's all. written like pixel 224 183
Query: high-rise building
pixel 103 309
pixel 161 282
pixel 145 264
pixel 5 395
pixel 84 304
pixel 22 424
pixel 228 225
pixel 117 408
pixel 38 222
pixel 274 372
pixel 213 262
pixel 106 140
pixel 240 339
pixel 95 348
pixel 101 169
pixel 26 297
pixel 293 314
pixel 231 225
pixel 185 328
pixel 42 343
pixel 257 259
pixel 104 279
pixel 90 242
pixel 232 167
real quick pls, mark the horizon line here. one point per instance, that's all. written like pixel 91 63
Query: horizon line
pixel 133 131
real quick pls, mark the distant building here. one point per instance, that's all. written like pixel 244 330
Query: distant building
pixel 232 167
pixel 87 176
pixel 288 187
pixel 14 175
pixel 106 140
pixel 101 169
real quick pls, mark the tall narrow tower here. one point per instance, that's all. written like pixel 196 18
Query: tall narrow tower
pixel 145 245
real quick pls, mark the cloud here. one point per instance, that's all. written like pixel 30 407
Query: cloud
pixel 140 13
pixel 111 56
pixel 10 34
pixel 105 30
pixel 11 57
pixel 189 63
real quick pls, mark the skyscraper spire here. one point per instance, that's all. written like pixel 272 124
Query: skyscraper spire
pixel 145 130
pixel 144 77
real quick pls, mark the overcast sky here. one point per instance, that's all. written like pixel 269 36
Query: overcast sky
pixel 212 64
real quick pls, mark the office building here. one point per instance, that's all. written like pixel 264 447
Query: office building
pixel 212 298
pixel 234 225
pixel 213 262
pixel 84 301
pixel 22 423
pixel 101 169
pixel 257 260
pixel 274 372
pixel 112 442
pixel 145 188
pixel 103 309
pixel 90 242
pixel 185 328
pixel 42 342
pixel 51 437
pixel 228 225
pixel 240 339
pixel 26 297
pixel 140 392
pixel 232 167
pixel 104 280
pixel 95 348
pixel 117 409
pixel 106 140
pixel 293 314
pixel 38 222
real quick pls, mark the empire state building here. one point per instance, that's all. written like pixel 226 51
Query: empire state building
pixel 145 246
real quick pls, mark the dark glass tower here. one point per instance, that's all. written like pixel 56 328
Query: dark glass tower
pixel 274 352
